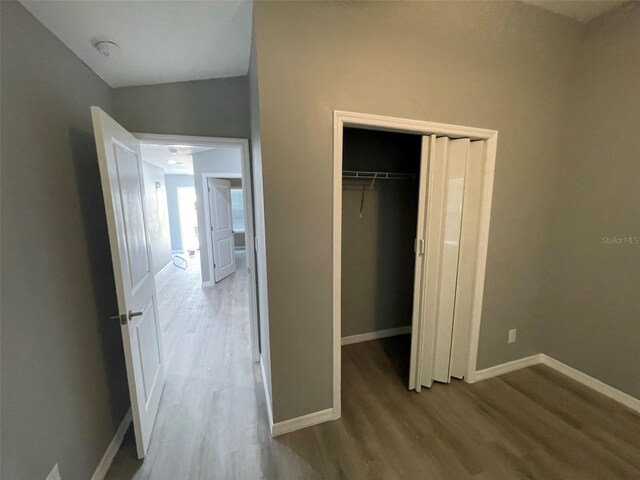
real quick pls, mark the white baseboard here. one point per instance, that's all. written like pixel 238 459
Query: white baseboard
pixel 208 284
pixel 293 423
pixel 365 337
pixel 507 367
pixel 163 270
pixel 54 474
pixel 169 263
pixel 302 422
pixel 581 377
pixel 267 397
pixel 593 383
pixel 112 449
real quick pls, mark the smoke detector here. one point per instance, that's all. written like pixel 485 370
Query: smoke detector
pixel 107 49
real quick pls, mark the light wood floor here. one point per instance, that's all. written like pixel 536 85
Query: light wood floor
pixel 530 424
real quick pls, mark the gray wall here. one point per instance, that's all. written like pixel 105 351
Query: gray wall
pixel 172 183
pixel 218 160
pixel 157 215
pixel 64 388
pixel 216 108
pixel 594 306
pixel 378 248
pixel 498 65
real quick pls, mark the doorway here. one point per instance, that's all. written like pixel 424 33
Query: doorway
pixel 440 189
pixel 221 236
pixel 135 188
pixel 380 198
pixel 223 158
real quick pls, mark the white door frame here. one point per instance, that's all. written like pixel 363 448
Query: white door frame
pixel 252 253
pixel 343 119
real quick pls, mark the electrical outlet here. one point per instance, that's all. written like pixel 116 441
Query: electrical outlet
pixel 54 474
pixel 512 335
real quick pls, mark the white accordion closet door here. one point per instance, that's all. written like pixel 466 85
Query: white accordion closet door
pixel 456 163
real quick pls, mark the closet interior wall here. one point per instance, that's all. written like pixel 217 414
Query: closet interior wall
pixel 378 244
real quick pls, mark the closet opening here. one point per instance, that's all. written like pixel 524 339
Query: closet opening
pixel 411 212
pixel 380 188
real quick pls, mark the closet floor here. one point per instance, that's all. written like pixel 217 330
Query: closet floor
pixel 530 424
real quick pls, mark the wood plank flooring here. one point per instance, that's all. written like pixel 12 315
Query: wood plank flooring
pixel 531 424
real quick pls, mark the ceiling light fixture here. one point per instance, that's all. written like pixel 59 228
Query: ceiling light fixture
pixel 107 49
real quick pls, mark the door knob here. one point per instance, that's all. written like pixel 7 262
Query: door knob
pixel 135 314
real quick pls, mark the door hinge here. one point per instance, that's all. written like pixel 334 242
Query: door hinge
pixel 419 246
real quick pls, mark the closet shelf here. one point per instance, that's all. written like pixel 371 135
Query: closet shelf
pixel 356 174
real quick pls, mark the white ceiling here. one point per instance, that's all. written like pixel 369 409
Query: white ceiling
pixel 162 155
pixel 580 10
pixel 160 41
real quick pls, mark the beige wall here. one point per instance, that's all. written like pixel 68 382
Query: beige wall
pixel 497 65
pixel 594 305
pixel 64 386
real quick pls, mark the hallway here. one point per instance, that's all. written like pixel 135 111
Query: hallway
pixel 212 410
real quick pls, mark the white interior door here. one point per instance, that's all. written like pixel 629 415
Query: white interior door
pixel 427 152
pixel 123 189
pixel 224 260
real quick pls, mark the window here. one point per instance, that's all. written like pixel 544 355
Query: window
pixel 237 210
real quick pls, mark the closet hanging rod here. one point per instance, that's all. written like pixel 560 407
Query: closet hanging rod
pixel 357 174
